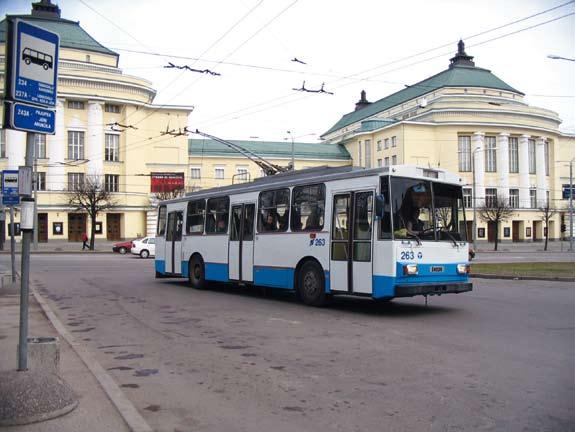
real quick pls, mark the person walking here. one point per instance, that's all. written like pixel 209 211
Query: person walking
pixel 85 241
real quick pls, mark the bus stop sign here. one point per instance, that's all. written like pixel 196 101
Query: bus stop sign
pixel 35 65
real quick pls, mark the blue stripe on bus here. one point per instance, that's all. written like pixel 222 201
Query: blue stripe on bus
pixel 383 286
pixel 274 277
pixel 185 265
pixel 217 272
pixel 161 266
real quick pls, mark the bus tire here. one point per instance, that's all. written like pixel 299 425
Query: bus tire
pixel 311 284
pixel 196 272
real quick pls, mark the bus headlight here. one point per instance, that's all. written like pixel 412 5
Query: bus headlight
pixel 462 268
pixel 410 269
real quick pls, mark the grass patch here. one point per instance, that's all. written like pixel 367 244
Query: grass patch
pixel 548 269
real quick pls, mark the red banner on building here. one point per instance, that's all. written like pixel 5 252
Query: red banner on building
pixel 166 182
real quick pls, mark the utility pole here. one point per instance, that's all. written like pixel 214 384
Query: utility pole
pixel 571 205
pixel 292 152
pixel 35 190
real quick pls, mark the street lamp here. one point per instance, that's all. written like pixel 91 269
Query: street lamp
pixel 292 152
pixel 556 57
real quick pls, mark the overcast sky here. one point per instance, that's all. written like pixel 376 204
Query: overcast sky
pixel 350 46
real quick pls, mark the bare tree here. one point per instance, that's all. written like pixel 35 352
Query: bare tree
pixel 547 212
pixel 169 194
pixel 495 210
pixel 90 196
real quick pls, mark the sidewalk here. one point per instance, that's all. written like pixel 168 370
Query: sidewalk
pixel 62 246
pixel 95 412
pixel 552 246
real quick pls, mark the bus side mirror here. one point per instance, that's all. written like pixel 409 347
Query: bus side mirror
pixel 379 206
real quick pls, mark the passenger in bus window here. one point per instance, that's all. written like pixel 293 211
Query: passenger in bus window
pixel 221 226
pixel 270 223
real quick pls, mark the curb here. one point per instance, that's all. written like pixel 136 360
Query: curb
pixel 125 408
pixel 537 278
pixel 58 252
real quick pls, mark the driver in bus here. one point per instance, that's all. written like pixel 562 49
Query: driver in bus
pixel 415 199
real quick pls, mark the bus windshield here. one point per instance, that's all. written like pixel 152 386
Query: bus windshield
pixel 425 210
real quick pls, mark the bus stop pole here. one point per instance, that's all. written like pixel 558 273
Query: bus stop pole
pixel 25 270
pixel 12 244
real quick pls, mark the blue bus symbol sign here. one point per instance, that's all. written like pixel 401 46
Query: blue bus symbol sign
pixel 35 65
pixel 10 187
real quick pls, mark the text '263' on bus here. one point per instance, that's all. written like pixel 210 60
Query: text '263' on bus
pixel 387 232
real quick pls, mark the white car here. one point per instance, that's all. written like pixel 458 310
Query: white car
pixel 144 247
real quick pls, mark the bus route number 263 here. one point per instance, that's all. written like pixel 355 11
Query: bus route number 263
pixel 317 242
pixel 410 255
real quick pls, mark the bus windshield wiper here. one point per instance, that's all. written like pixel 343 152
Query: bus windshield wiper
pixel 453 239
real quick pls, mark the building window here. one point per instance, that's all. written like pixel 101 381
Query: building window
pixel 464 152
pixel 533 198
pixel 379 163
pixel 467 198
pixel 75 145
pixel 490 197
pixel 490 154
pixel 195 173
pixel 386 163
pixel 359 156
pixel 112 149
pixel 75 180
pixel 531 149
pixel 394 160
pixel 111 108
pixel 112 182
pixel 393 141
pixel 2 143
pixel 242 173
pixel 513 155
pixel 386 143
pixel 546 150
pixel 378 145
pixel 367 153
pixel 41 181
pixel 79 105
pixel 514 198
pixel 546 198
pixel 219 173
pixel 40 146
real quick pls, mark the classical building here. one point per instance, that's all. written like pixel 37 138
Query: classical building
pixel 467 120
pixel 106 126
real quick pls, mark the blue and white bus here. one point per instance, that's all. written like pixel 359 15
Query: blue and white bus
pixel 388 232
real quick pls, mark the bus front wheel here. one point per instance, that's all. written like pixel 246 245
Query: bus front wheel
pixel 196 273
pixel 311 285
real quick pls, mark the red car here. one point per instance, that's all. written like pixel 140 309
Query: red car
pixel 122 247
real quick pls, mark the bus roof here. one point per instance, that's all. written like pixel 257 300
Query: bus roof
pixel 323 174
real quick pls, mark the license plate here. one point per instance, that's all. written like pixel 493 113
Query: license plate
pixel 436 269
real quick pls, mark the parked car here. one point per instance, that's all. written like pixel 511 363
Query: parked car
pixel 122 247
pixel 145 247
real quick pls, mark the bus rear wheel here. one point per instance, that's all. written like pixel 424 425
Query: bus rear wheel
pixel 196 273
pixel 311 284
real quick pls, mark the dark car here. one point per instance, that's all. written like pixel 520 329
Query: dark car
pixel 122 247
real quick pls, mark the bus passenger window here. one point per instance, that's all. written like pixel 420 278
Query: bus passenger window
pixel 273 210
pixel 162 216
pixel 195 217
pixel 217 215
pixel 385 222
pixel 308 208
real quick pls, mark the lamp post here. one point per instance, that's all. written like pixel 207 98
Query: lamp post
pixel 570 202
pixel 292 152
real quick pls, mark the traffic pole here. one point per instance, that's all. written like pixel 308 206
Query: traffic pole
pixel 12 244
pixel 571 206
pixel 27 227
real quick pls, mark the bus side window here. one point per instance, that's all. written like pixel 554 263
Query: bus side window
pixel 162 214
pixel 273 210
pixel 195 217
pixel 217 215
pixel 309 204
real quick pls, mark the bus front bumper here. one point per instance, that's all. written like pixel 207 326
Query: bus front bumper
pixel 431 289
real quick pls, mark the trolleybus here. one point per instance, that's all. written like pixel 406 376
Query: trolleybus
pixel 388 232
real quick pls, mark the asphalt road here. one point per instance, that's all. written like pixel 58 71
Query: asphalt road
pixel 235 359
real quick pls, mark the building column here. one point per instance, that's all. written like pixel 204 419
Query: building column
pixel 478 161
pixel 503 166
pixel 542 186
pixel 56 151
pixel 15 148
pixel 524 185
pixel 95 139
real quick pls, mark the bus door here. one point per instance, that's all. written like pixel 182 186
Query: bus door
pixel 351 242
pixel 241 246
pixel 173 246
